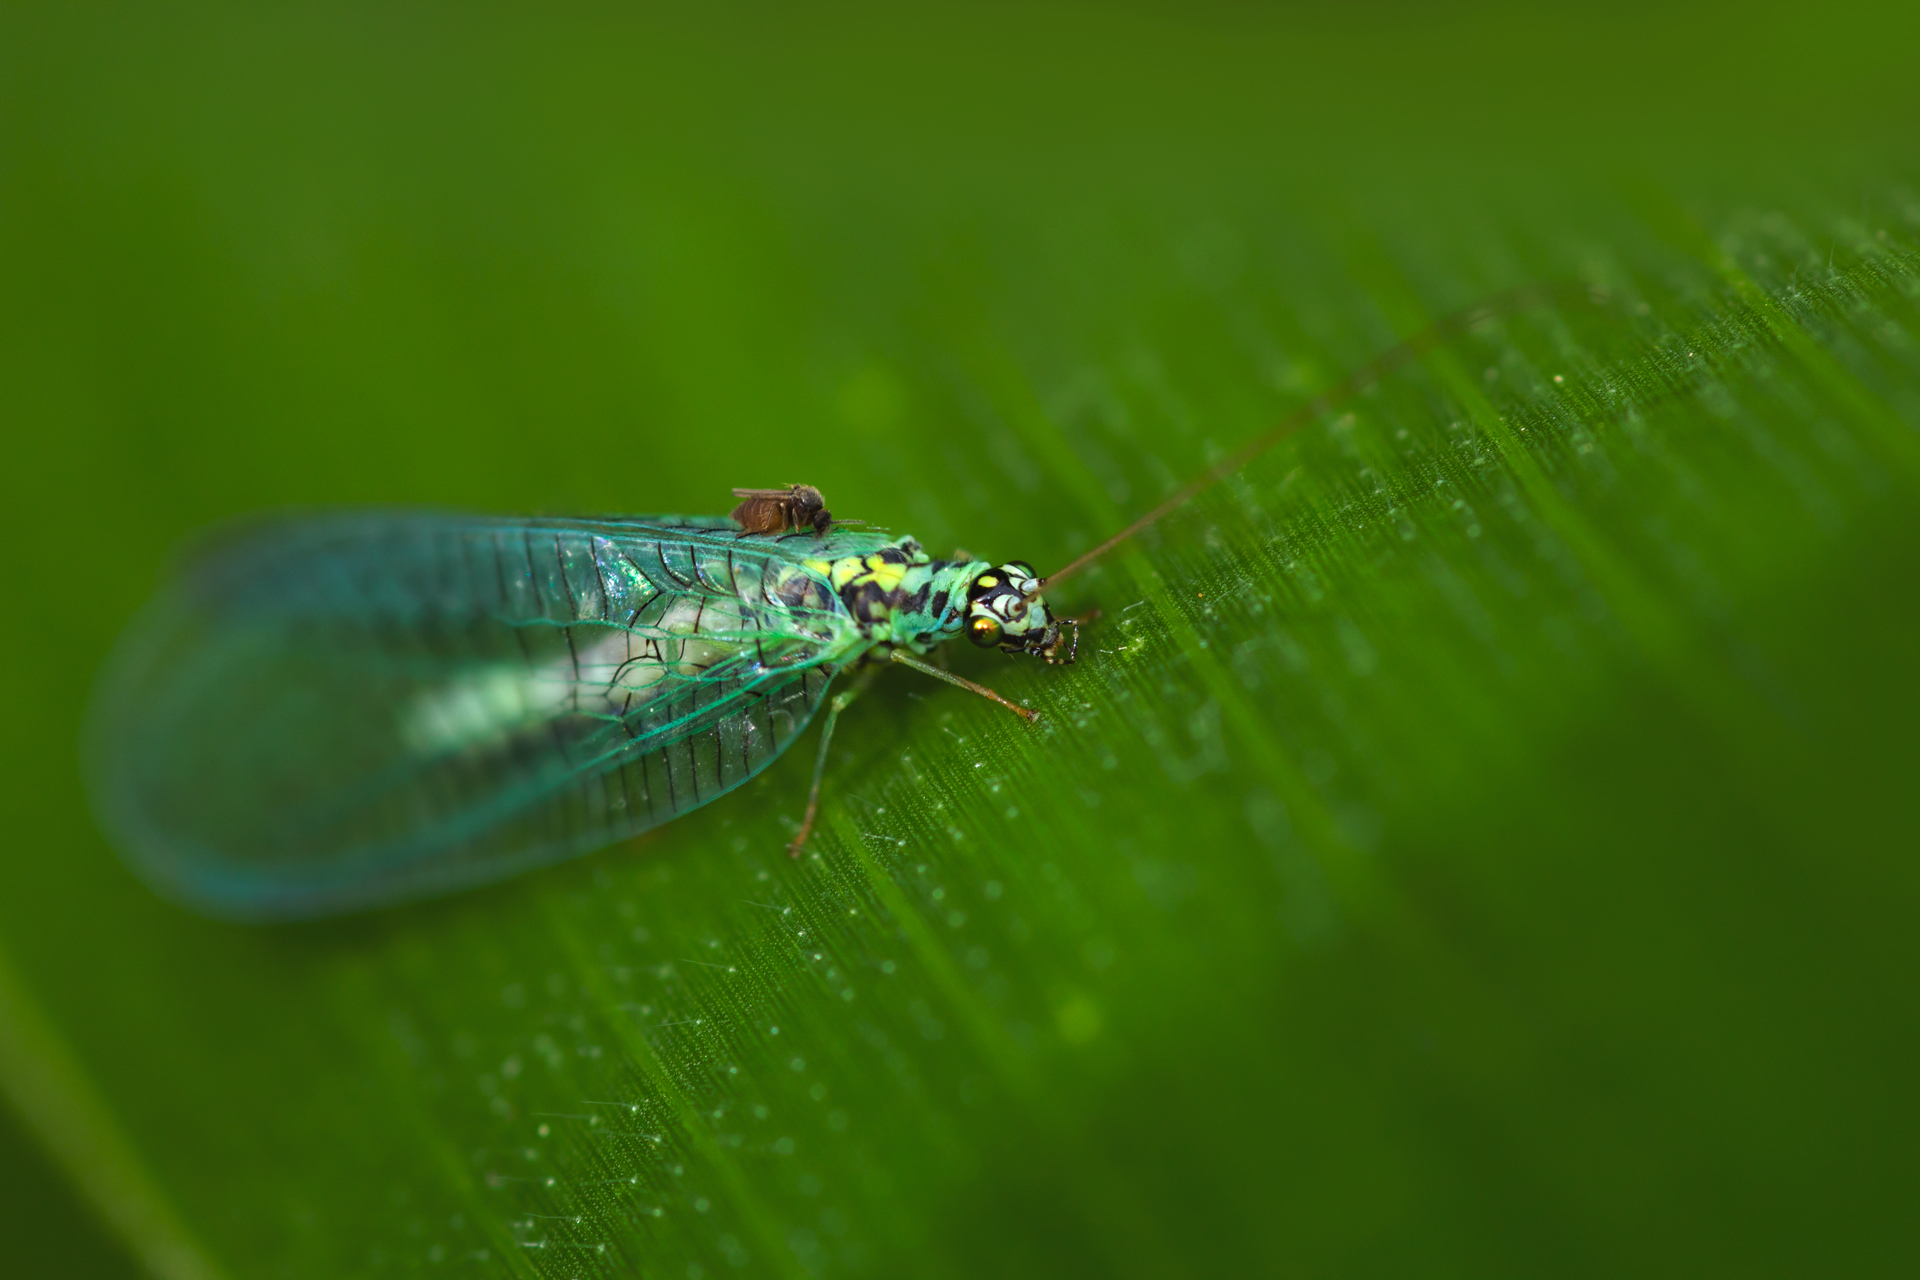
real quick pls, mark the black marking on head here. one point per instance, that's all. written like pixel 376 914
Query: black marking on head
pixel 1004 608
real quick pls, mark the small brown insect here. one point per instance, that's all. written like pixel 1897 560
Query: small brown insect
pixel 795 507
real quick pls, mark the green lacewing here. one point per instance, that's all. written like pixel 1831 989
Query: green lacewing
pixel 335 712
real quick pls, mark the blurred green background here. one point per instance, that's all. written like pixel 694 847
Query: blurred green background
pixel 1478 839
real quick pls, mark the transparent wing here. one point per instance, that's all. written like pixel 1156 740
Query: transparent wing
pixel 331 713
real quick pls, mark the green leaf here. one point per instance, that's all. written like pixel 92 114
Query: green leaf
pixel 1477 836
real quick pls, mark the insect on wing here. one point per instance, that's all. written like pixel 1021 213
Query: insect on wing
pixel 340 712
pixel 799 506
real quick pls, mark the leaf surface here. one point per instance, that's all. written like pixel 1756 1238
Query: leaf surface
pixel 1477 836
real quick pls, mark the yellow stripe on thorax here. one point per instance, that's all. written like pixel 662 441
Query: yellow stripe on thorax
pixel 859 569
pixel 888 573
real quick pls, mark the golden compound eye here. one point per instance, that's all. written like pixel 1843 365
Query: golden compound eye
pixel 984 632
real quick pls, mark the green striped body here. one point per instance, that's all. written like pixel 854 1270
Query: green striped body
pixel 326 714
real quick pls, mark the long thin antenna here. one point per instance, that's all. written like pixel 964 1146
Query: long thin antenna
pixel 1524 298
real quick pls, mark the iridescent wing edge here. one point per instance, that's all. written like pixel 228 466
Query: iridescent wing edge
pixel 323 619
